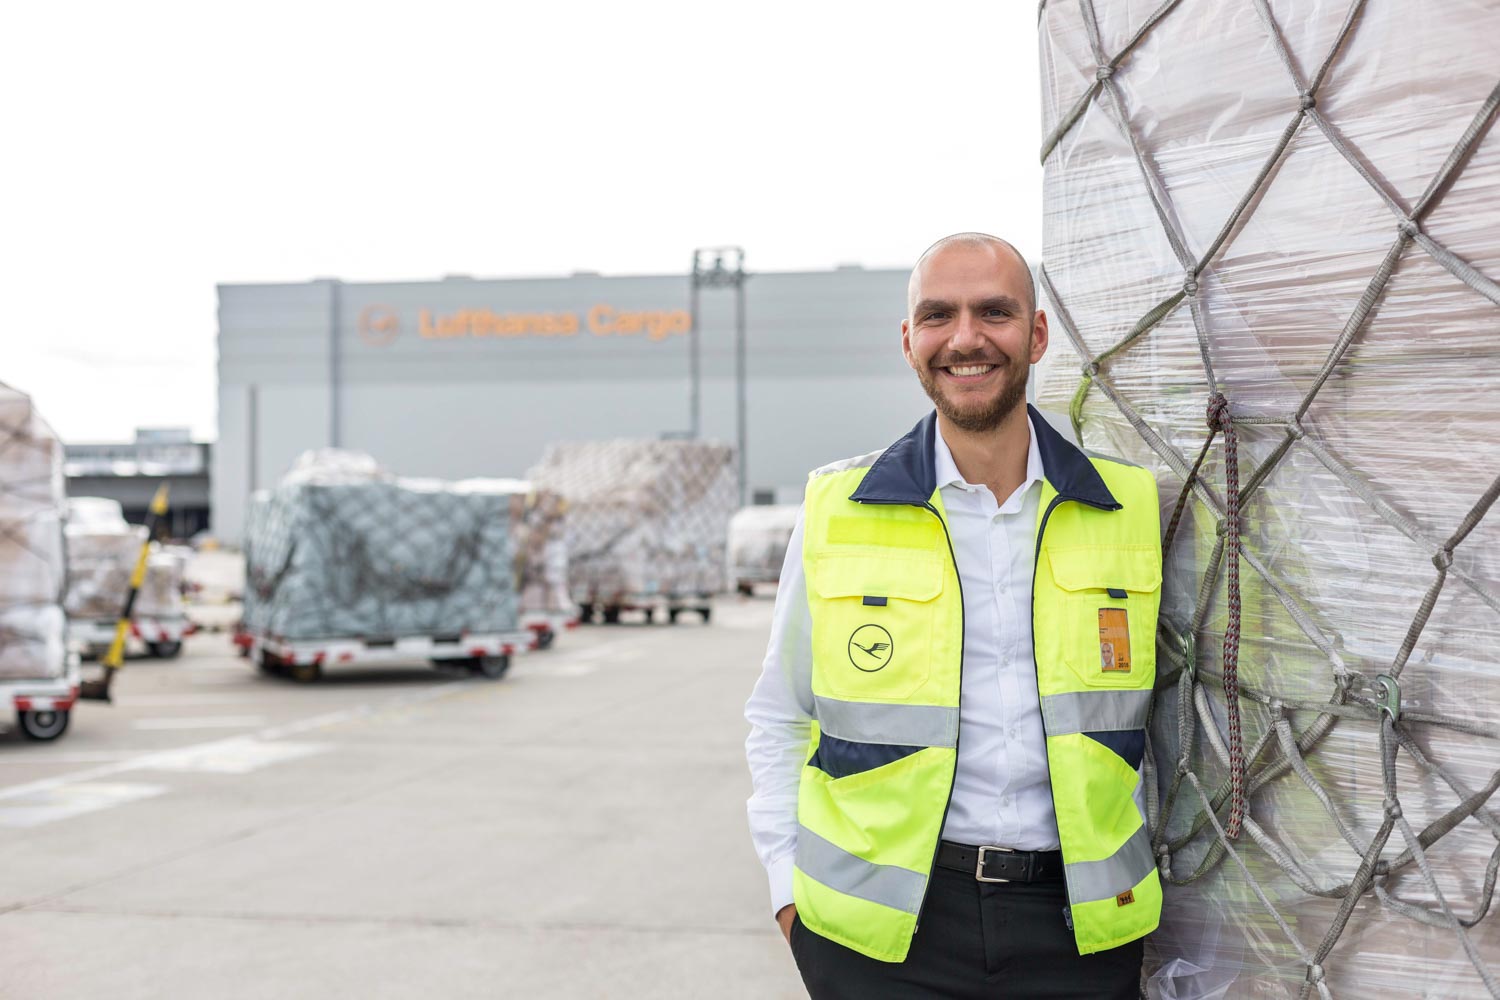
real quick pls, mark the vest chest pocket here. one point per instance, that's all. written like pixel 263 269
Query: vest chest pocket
pixel 872 615
pixel 1109 601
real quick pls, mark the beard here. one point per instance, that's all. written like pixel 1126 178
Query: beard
pixel 981 415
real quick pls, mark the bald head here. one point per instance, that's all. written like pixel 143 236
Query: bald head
pixel 974 241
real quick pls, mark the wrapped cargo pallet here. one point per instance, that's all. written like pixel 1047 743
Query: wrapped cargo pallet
pixel 1270 265
pixel 342 548
pixel 542 547
pixel 758 538
pixel 102 551
pixel 32 566
pixel 646 519
pixel 537 520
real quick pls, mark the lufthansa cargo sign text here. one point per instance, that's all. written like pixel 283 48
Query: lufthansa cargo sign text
pixel 380 325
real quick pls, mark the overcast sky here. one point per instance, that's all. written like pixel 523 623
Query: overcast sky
pixel 156 149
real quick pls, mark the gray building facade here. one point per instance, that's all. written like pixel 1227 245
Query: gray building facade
pixel 463 377
pixel 130 474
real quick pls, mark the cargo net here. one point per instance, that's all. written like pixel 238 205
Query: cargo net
pixel 377 560
pixel 32 565
pixel 539 527
pixel 647 520
pixel 1219 781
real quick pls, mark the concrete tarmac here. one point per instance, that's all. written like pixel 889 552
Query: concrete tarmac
pixel 576 829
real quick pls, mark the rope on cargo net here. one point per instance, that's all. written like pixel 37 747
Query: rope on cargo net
pixel 1280 750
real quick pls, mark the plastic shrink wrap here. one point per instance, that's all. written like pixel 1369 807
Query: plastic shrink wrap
pixel 646 519
pixel 758 538
pixel 538 520
pixel 102 550
pixel 32 565
pixel 1297 205
pixel 343 549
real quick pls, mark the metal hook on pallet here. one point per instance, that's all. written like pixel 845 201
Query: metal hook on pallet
pixel 1388 695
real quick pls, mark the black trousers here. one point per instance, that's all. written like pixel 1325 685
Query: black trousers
pixel 976 939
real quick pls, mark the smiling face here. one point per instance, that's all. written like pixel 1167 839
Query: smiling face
pixel 973 331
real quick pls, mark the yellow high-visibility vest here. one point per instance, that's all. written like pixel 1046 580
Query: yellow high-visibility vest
pixel 887 648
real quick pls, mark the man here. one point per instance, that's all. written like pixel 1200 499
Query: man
pixel 947 734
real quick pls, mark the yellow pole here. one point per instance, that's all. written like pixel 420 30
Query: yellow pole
pixel 115 657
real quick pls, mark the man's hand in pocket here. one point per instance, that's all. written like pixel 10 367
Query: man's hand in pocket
pixel 784 917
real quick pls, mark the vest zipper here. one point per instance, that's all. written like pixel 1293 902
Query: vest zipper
pixel 963 632
pixel 1036 669
pixel 957 725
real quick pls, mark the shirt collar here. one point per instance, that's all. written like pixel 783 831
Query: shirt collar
pixel 947 469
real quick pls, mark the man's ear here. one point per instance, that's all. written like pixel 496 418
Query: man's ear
pixel 1038 336
pixel 906 344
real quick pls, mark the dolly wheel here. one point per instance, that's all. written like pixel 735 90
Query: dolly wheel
pixel 612 614
pixel 707 613
pixel 545 638
pixel 491 668
pixel 166 650
pixel 672 614
pixel 47 725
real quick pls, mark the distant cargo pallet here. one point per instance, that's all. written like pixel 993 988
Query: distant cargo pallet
pixel 609 609
pixel 486 655
pixel 162 636
pixel 44 705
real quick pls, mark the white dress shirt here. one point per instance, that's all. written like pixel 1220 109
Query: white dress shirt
pixel 1001 794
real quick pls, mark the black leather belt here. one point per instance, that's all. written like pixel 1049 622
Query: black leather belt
pixel 1001 864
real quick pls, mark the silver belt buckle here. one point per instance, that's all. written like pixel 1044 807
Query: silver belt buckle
pixel 979 865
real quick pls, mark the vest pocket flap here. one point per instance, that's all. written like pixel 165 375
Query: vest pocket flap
pixel 1100 567
pixel 910 576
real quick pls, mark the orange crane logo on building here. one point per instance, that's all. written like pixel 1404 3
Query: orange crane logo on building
pixel 379 325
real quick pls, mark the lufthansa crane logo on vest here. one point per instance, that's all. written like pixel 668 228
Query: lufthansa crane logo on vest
pixel 870 648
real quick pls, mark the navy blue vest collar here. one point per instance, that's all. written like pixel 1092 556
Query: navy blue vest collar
pixel 905 472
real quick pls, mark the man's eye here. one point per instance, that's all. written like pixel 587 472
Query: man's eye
pixel 997 312
pixel 935 315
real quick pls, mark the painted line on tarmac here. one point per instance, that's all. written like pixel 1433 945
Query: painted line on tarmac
pixel 171 758
pixel 569 670
pixel 73 800
pixel 41 756
pixel 250 751
pixel 235 756
pixel 199 722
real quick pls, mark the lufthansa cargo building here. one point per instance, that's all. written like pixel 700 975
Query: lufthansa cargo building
pixel 463 377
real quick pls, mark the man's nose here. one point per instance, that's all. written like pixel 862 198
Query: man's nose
pixel 965 333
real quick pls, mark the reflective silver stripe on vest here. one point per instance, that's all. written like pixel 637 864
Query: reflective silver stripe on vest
pixel 1091 880
pixel 897 725
pixel 1095 711
pixel 836 868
